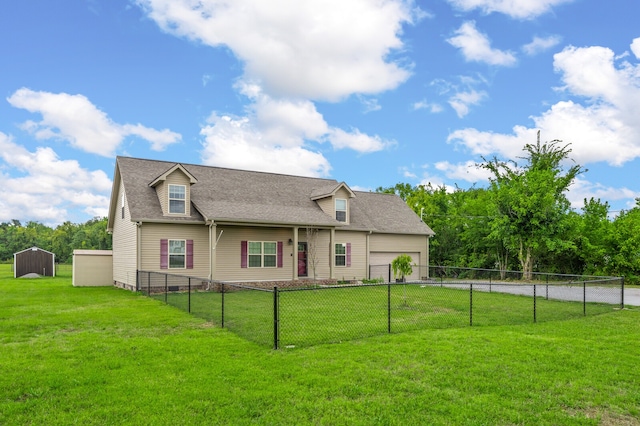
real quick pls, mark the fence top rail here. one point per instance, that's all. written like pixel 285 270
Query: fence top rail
pixel 544 274
pixel 453 283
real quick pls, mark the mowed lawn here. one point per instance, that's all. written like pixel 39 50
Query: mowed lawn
pixel 107 356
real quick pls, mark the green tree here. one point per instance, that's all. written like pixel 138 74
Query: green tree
pixel 530 202
pixel 624 245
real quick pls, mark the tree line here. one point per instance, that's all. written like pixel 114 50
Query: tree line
pixel 523 220
pixel 61 240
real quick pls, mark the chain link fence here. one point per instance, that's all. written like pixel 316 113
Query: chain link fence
pixel 315 314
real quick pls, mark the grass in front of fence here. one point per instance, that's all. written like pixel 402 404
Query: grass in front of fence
pixel 329 315
pixel 98 356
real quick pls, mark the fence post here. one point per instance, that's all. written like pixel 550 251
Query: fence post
pixel 137 280
pixel 149 284
pixel 389 307
pixel 389 273
pixel 622 293
pixel 166 277
pixel 275 318
pixel 535 319
pixel 584 298
pixel 471 304
pixel 189 293
pixel 222 302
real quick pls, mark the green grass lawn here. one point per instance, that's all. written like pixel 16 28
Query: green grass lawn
pixel 107 356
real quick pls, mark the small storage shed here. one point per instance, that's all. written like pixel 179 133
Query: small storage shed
pixel 92 268
pixel 34 260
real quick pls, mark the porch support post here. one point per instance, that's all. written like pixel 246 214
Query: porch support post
pixel 294 254
pixel 332 253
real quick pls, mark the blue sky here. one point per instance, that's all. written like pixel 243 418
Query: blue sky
pixel 370 92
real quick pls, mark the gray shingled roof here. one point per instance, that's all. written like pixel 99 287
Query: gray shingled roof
pixel 255 197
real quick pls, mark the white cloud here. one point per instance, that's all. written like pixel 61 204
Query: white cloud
pixel 582 189
pixel 235 143
pixel 635 47
pixel 407 173
pixel 44 186
pixel 370 104
pixel 75 119
pixel 476 46
pixel 462 101
pixel 540 44
pixel 274 136
pixel 357 141
pixel 467 171
pixel 423 104
pixel 604 128
pixel 302 49
pixel 487 143
pixel 518 9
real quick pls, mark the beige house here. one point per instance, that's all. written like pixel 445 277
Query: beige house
pixel 241 226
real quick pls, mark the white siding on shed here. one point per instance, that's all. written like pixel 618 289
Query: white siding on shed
pixel 92 268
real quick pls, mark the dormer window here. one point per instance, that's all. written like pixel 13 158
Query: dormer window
pixel 177 197
pixel 341 210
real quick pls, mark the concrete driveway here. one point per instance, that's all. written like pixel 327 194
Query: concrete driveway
pixel 632 296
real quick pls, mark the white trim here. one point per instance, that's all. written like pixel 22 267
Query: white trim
pixel 169 199
pixel 183 255
pixel 346 209
pixel 335 258
pixel 262 254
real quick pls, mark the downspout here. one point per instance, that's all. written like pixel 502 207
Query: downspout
pixel 138 251
pixel 210 252
pixel 294 254
pixel 368 252
pixel 332 252
pixel 427 266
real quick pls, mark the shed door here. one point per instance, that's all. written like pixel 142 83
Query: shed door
pixel 380 264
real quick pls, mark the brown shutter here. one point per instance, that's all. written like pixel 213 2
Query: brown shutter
pixel 243 254
pixel 348 254
pixel 164 254
pixel 280 247
pixel 189 254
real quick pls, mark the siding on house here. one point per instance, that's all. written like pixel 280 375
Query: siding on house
pixel 151 234
pixel 323 254
pixel 228 255
pixel 328 206
pixel 358 268
pixel 401 244
pixel 177 177
pixel 344 194
pixel 124 244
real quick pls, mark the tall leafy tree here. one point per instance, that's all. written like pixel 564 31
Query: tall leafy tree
pixel 530 201
pixel 624 244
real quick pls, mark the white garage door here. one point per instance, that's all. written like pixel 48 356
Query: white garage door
pixel 380 262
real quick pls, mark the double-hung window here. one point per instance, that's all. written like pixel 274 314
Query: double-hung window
pixel 341 210
pixel 341 254
pixel 177 254
pixel 262 254
pixel 177 199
